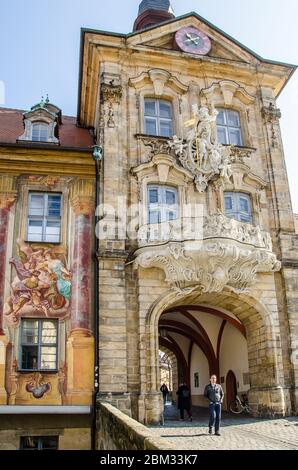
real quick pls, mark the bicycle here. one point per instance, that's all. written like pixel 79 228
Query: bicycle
pixel 240 406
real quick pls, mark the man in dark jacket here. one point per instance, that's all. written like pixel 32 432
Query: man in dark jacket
pixel 214 393
pixel 184 402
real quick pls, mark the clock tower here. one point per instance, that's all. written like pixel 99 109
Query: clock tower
pixel 153 12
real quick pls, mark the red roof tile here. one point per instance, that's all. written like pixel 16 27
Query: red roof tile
pixel 11 128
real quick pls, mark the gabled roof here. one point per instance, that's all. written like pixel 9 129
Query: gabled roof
pixel 140 37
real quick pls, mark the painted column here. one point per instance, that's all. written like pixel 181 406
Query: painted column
pixel 7 200
pixel 80 344
pixel 82 201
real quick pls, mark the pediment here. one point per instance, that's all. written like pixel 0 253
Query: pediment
pixel 163 37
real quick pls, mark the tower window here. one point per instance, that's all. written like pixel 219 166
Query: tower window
pixel 238 206
pixel 158 118
pixel 229 127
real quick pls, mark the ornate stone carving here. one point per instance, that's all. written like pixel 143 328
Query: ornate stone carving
pixel 111 94
pixel 229 90
pixel 157 145
pixel 229 254
pixel 42 285
pixel 201 153
pixel 240 154
pixel 37 386
pixel 271 116
pixel 158 79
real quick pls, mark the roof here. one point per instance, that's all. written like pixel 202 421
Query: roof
pixel 163 5
pixel 70 135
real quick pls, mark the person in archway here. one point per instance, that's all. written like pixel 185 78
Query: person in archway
pixel 214 394
pixel 165 391
pixel 184 402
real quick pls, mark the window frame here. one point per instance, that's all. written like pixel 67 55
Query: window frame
pixel 39 443
pixel 226 127
pixel 39 345
pixel 40 123
pixel 236 213
pixel 161 207
pixel 44 218
pixel 157 118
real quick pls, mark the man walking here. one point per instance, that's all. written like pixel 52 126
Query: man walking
pixel 214 393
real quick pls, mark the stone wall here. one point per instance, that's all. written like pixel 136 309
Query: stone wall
pixel 118 431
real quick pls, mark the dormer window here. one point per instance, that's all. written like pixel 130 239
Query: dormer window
pixel 42 123
pixel 40 132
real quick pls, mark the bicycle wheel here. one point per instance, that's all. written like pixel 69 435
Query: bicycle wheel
pixel 236 407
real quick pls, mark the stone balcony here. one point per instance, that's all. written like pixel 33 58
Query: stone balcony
pixel 210 252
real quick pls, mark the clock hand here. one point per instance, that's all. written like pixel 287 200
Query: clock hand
pixel 191 38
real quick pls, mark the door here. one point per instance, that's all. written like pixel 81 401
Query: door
pixel 231 388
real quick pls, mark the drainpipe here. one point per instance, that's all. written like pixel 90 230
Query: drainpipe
pixel 97 157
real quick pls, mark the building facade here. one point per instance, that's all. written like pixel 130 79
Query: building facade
pixel 46 322
pixel 197 250
pixel 187 117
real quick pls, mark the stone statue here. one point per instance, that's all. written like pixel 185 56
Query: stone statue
pixel 201 153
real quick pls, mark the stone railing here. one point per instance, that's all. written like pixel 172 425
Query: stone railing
pixel 204 228
pixel 118 431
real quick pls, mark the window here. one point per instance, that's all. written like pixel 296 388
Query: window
pixel 162 204
pixel 39 443
pixel 44 217
pixel 40 132
pixel 238 206
pixel 158 118
pixel 229 127
pixel 39 345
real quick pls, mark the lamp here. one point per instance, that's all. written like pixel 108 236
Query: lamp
pixel 97 152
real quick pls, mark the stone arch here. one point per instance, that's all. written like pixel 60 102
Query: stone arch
pixel 264 356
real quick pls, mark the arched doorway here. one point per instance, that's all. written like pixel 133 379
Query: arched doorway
pixel 180 316
pixel 231 388
pixel 205 341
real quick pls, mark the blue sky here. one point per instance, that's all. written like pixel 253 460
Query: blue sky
pixel 39 47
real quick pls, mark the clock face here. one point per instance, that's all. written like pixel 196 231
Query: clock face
pixel 192 40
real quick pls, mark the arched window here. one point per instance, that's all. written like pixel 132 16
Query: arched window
pixel 238 206
pixel 162 204
pixel 158 117
pixel 40 132
pixel 229 127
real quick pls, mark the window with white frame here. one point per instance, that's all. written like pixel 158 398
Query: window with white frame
pixel 40 132
pixel 44 217
pixel 39 345
pixel 229 127
pixel 238 206
pixel 158 117
pixel 162 204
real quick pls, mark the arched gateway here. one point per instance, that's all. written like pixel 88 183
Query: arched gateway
pixel 213 333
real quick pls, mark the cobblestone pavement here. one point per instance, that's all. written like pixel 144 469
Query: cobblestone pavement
pixel 238 432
